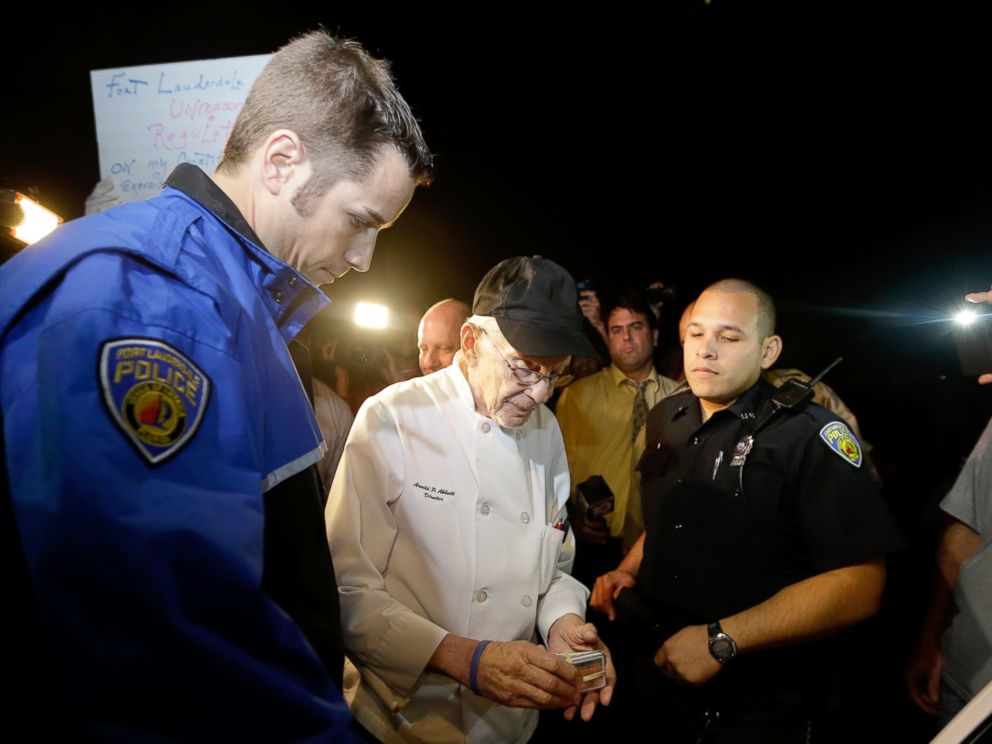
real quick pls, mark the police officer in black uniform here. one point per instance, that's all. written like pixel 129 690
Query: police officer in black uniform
pixel 763 535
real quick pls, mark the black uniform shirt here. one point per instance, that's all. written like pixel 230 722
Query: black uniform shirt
pixel 724 534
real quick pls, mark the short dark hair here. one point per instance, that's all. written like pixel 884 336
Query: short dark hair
pixel 633 301
pixel 341 101
pixel 766 305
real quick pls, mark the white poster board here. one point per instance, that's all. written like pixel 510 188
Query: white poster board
pixel 150 118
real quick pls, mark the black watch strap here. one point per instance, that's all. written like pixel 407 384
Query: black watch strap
pixel 722 647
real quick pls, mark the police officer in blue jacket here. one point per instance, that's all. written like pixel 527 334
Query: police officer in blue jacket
pixel 167 569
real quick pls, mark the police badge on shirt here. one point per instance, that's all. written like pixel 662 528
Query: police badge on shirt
pixel 154 392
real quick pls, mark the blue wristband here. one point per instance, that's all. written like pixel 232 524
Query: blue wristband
pixel 473 667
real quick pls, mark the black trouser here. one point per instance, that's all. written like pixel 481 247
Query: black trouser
pixel 718 714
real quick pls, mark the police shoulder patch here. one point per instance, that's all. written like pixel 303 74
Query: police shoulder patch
pixel 154 392
pixel 842 441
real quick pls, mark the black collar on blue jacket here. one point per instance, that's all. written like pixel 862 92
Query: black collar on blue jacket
pixel 193 182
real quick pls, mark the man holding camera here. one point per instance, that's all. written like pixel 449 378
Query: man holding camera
pixel 951 663
pixel 600 417
pixel 447 525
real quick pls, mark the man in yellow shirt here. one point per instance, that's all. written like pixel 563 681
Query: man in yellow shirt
pixel 600 417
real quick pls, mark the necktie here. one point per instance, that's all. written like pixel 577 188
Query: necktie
pixel 640 416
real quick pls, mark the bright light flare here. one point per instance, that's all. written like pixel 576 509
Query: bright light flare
pixel 965 317
pixel 371 315
pixel 38 221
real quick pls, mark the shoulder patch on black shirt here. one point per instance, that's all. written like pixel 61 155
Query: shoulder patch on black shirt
pixel 154 393
pixel 842 441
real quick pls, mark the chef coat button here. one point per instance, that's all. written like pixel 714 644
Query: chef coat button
pixel 481 597
pixel 524 517
pixel 525 600
pixel 485 510
pixel 737 493
pixel 277 296
pixel 292 281
pixel 678 526
pixel 485 427
pixel 695 440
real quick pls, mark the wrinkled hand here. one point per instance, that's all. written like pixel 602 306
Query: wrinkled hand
pixel 590 530
pixel 571 633
pixel 607 588
pixel 987 298
pixel 523 675
pixel 923 675
pixel 685 657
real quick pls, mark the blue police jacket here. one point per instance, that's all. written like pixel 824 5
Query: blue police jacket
pixel 149 402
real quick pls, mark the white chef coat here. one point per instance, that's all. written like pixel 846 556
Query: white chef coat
pixel 440 521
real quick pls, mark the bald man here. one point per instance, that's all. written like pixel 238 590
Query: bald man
pixel 763 535
pixel 438 334
pixel 823 394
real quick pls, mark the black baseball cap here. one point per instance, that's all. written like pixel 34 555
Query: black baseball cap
pixel 536 305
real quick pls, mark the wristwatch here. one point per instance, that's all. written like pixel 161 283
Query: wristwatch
pixel 722 646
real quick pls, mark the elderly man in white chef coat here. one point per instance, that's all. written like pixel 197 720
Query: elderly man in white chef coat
pixel 448 528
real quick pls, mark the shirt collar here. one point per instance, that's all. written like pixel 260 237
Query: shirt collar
pixel 618 378
pixel 291 299
pixel 748 407
pixel 752 401
pixel 464 392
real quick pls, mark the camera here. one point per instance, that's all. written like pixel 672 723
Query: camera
pixel 366 352
pixel 974 344
pixel 364 355
pixel 595 497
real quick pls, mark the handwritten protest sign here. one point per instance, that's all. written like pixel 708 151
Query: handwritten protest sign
pixel 152 117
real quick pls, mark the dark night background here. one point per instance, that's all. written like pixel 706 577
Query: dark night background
pixel 839 156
